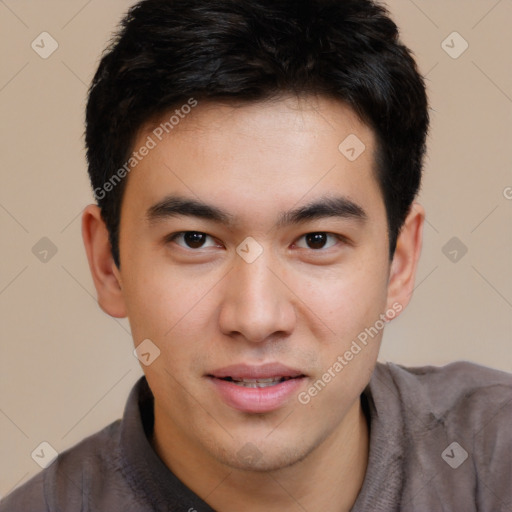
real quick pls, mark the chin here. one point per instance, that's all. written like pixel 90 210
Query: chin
pixel 253 456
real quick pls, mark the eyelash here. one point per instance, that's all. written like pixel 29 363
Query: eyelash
pixel 174 236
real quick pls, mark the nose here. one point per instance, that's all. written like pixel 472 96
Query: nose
pixel 257 305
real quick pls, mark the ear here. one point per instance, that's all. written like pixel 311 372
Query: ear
pixel 405 260
pixel 105 273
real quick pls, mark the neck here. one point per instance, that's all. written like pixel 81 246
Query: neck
pixel 328 479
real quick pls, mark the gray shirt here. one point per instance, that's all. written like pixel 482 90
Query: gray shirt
pixel 440 440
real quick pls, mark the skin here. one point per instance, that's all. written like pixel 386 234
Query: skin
pixel 206 307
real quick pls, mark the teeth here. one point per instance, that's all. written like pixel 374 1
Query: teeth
pixel 259 383
pixel 271 379
pixel 256 384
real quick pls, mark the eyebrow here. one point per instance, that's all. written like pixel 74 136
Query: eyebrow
pixel 173 206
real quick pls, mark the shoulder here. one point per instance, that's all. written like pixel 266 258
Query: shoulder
pixel 29 496
pixel 460 413
pixel 452 427
pixel 452 387
pixel 63 483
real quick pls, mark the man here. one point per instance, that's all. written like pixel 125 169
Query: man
pixel 256 166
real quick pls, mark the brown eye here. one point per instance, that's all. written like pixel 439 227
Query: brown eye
pixel 191 239
pixel 194 239
pixel 317 240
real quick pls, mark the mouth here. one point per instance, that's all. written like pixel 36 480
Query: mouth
pixel 256 389
pixel 259 383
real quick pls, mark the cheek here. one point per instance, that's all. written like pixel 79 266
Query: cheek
pixel 350 305
pixel 146 297
pixel 346 300
pixel 168 305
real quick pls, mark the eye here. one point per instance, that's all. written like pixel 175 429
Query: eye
pixel 318 240
pixel 191 239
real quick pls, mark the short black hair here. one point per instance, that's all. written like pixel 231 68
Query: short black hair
pixel 167 52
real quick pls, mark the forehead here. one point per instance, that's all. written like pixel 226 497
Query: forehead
pixel 293 115
pixel 259 153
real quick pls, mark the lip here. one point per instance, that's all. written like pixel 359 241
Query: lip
pixel 256 400
pixel 266 371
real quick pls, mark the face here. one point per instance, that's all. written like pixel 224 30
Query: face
pixel 252 247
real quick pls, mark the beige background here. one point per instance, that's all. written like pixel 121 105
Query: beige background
pixel 66 367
